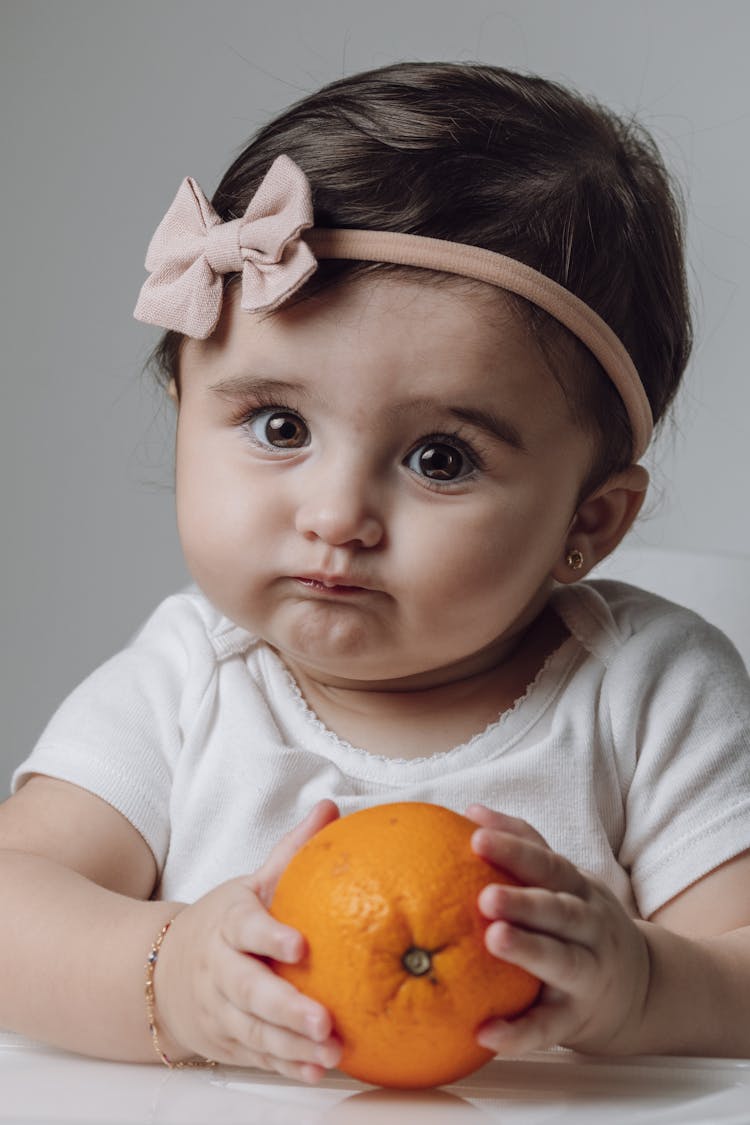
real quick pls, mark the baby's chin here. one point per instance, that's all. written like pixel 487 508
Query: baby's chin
pixel 346 648
pixel 346 654
pixel 378 671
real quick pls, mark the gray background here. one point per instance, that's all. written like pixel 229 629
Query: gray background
pixel 105 106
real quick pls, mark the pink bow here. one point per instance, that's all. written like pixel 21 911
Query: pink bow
pixel 192 248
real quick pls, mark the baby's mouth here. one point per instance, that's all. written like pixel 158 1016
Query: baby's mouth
pixel 325 584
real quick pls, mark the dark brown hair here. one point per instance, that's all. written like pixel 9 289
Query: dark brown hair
pixel 514 163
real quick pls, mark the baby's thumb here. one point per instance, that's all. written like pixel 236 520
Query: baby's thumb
pixel 269 874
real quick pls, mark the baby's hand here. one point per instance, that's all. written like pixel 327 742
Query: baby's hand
pixel 570 931
pixel 217 998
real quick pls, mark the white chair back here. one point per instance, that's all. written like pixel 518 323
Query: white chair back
pixel 716 586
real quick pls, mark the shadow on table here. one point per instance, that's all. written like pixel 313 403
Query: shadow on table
pixel 551 1076
pixel 424 1107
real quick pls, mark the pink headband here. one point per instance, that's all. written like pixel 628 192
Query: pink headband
pixel 192 248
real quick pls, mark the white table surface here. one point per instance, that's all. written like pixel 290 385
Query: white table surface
pixel 41 1086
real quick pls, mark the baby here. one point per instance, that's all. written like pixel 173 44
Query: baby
pixel 417 342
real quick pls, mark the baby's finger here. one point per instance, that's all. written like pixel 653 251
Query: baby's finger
pixel 249 928
pixel 564 965
pixel 257 1037
pixel 276 1001
pixel 544 1025
pixel 559 914
pixel 266 877
pixel 531 863
pixel 489 818
pixel 254 989
pixel 310 1073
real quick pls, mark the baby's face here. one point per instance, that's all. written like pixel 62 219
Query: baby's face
pixel 378 482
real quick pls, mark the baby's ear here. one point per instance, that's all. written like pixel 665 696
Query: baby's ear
pixel 601 522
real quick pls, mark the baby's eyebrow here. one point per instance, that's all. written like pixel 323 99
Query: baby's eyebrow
pixel 493 424
pixel 497 427
pixel 240 386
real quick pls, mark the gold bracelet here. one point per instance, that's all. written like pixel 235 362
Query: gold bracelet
pixel 150 967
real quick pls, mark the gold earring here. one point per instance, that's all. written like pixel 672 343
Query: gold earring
pixel 574 559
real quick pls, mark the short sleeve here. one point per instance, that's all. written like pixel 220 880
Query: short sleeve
pixel 119 732
pixel 680 693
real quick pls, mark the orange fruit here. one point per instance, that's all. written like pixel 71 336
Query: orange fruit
pixel 387 901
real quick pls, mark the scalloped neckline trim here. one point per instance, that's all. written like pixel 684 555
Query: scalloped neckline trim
pixel 559 655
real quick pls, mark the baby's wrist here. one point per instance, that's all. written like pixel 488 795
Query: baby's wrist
pixel 166 1046
pixel 631 1035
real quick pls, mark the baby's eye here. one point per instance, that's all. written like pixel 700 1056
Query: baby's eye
pixel 440 461
pixel 280 429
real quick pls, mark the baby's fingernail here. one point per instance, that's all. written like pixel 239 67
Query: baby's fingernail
pixel 329 1055
pixel 491 900
pixel 289 946
pixel 485 899
pixel 315 1025
pixel 312 1072
pixel 499 934
pixel 492 1035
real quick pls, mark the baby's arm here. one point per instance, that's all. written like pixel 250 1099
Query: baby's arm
pixel 76 928
pixel 613 985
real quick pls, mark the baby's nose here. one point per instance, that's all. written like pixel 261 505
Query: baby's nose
pixel 340 512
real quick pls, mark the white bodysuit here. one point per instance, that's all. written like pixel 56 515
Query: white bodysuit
pixel 630 752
